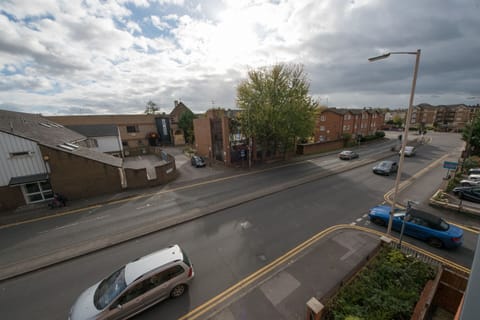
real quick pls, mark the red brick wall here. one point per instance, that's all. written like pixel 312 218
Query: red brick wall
pixel 11 198
pixel 78 177
pixel 203 138
pixel 311 148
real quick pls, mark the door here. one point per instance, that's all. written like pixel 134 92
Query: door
pixel 131 301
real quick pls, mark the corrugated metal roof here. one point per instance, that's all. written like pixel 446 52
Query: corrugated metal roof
pixel 45 132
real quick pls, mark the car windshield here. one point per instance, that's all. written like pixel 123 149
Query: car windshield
pixel 441 225
pixel 109 289
pixel 384 165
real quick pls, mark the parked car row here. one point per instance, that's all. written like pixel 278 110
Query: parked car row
pixel 469 189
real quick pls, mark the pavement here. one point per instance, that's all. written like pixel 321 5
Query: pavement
pixel 281 289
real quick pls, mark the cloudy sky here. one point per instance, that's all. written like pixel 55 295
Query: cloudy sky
pixel 113 56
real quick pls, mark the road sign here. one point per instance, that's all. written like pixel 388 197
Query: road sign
pixel 450 165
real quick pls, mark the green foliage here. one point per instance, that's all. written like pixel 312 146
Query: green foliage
pixel 277 110
pixel 185 122
pixel 380 134
pixel 346 137
pixel 397 120
pixel 150 108
pixel 471 134
pixel 454 181
pixel 387 289
pixel 471 162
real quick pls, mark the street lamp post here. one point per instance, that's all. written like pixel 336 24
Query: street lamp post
pixel 407 127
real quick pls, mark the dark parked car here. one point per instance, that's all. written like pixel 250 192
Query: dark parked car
pixel 197 161
pixel 348 155
pixel 385 167
pixel 468 193
pixel 419 224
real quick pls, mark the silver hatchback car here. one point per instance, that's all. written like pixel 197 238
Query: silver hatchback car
pixel 136 286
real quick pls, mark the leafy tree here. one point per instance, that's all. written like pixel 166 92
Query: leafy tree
pixel 185 122
pixel 276 108
pixel 397 120
pixel 471 135
pixel 150 108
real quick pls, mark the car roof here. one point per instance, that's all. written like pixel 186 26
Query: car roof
pixel 387 162
pixel 145 264
pixel 425 216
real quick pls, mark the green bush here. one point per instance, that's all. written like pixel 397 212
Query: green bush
pixel 380 134
pixel 388 288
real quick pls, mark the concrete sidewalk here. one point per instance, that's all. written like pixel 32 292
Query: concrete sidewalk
pixel 315 271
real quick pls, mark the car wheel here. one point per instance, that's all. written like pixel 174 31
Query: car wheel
pixel 460 195
pixel 435 242
pixel 178 291
pixel 379 222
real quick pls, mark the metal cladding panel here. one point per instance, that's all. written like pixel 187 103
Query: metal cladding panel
pixel 11 165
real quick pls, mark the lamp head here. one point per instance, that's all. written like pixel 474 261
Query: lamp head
pixel 383 56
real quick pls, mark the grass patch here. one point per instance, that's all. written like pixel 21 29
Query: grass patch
pixel 387 289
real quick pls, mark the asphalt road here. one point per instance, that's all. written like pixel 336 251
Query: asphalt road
pixel 226 246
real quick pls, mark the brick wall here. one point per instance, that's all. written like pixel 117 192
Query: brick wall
pixel 11 198
pixel 311 148
pixel 78 177
pixel 203 138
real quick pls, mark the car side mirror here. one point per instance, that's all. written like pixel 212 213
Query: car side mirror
pixel 116 306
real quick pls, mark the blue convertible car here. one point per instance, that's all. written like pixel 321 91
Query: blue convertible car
pixel 419 224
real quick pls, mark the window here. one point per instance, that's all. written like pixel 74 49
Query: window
pixel 132 129
pixel 37 191
pixel 92 143
pixel 19 154
pixel 322 128
pixel 136 291
pixel 323 118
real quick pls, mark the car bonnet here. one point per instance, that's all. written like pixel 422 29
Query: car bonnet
pixel 83 308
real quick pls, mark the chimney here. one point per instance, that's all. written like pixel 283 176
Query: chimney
pixel 176 103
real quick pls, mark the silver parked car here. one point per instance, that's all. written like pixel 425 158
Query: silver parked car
pixel 409 151
pixel 347 155
pixel 136 286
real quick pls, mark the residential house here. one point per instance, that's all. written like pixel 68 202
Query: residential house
pixel 175 115
pixel 329 125
pixel 332 123
pixel 212 136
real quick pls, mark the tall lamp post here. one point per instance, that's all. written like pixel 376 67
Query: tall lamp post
pixel 407 126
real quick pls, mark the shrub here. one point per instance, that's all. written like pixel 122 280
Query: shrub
pixel 388 288
pixel 380 134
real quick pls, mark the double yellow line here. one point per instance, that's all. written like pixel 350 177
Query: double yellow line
pixel 215 301
pixel 256 276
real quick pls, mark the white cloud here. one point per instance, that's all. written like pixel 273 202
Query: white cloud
pixel 99 56
pixel 158 23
